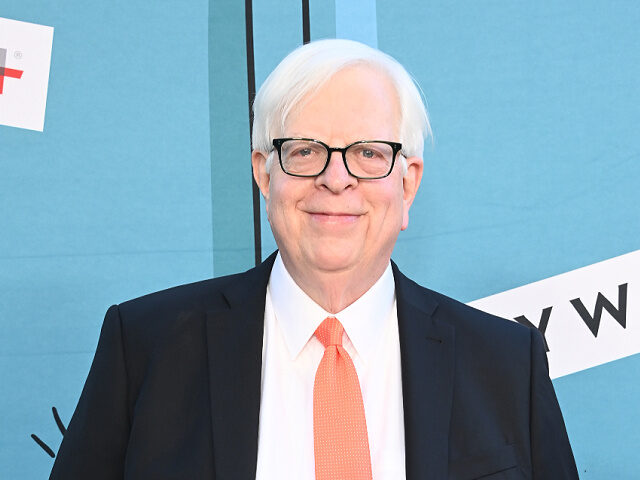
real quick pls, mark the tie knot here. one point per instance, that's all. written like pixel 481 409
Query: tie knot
pixel 330 332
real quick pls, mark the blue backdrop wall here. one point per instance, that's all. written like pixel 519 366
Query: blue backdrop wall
pixel 141 179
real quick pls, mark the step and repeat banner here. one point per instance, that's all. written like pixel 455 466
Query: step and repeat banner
pixel 124 169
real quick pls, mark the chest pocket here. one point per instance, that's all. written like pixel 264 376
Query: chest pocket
pixel 495 464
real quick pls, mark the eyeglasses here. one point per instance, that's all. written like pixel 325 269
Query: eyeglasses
pixel 365 159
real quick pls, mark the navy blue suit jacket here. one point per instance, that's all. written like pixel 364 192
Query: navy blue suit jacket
pixel 174 390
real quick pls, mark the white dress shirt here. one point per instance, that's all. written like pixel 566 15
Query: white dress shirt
pixel 290 357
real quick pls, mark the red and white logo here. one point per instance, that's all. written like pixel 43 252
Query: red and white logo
pixel 25 58
pixel 5 71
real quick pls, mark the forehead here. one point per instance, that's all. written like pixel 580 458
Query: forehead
pixel 358 102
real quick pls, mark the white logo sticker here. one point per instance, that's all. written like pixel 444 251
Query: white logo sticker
pixel 25 58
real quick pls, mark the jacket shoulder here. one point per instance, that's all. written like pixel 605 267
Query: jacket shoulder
pixel 476 331
pixel 148 323
pixel 153 311
pixel 477 322
pixel 201 295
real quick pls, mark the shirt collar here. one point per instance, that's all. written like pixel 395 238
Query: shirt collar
pixel 298 315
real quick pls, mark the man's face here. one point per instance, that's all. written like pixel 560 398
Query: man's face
pixel 335 222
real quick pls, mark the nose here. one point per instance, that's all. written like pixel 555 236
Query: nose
pixel 336 177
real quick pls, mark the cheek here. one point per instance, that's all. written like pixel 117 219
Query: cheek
pixel 391 197
pixel 280 204
pixel 393 209
pixel 272 202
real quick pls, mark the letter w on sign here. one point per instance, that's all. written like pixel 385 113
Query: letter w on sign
pixel 602 303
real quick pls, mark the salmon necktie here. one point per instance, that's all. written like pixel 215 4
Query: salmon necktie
pixel 340 440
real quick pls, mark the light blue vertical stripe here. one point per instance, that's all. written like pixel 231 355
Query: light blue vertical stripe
pixel 357 20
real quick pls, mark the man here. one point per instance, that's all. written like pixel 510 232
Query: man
pixel 324 361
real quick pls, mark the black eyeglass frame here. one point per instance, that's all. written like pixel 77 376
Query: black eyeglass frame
pixel 395 147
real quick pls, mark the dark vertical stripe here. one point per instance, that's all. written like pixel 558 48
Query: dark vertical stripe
pixel 251 88
pixel 306 25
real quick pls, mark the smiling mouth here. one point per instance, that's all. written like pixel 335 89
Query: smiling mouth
pixel 334 218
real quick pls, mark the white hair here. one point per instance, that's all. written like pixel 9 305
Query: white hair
pixel 309 67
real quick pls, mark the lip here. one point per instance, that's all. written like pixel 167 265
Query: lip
pixel 334 217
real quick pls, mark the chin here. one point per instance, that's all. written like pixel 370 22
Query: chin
pixel 333 259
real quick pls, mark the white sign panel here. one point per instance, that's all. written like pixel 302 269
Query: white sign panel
pixel 25 57
pixel 588 316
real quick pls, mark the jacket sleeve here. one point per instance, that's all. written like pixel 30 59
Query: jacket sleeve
pixel 551 455
pixel 95 442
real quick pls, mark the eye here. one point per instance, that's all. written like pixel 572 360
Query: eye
pixel 368 152
pixel 301 149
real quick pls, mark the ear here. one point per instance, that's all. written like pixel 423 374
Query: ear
pixel 410 184
pixel 260 174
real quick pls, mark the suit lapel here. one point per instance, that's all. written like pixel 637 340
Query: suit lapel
pixel 427 358
pixel 234 347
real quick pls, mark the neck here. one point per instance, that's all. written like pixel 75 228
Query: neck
pixel 335 290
